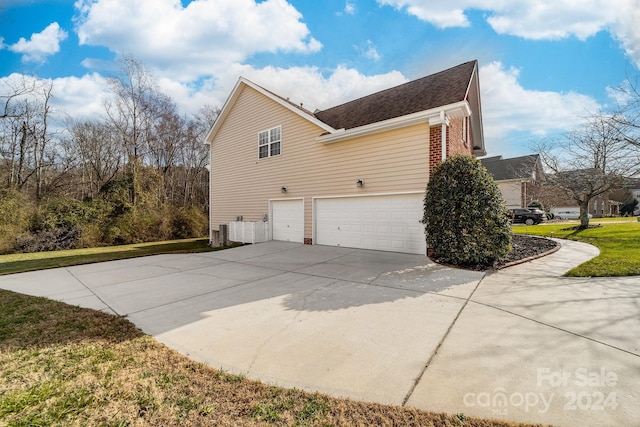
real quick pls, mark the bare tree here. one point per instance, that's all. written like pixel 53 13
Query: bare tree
pixel 627 115
pixel 12 91
pixel 590 161
pixel 41 138
pixel 165 133
pixel 25 134
pixel 95 154
pixel 195 156
pixel 130 112
pixel 19 130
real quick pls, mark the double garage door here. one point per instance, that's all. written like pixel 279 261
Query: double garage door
pixel 383 222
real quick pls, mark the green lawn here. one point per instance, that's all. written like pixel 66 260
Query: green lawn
pixel 617 238
pixel 16 263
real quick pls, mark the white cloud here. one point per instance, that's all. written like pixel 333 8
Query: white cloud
pixel 371 51
pixel 440 14
pixel 625 94
pixel 41 44
pixel 509 108
pixel 81 97
pixel 350 8
pixel 307 85
pixel 302 85
pixel 538 20
pixel 196 40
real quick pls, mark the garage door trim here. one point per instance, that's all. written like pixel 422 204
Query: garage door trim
pixel 289 199
pixel 314 223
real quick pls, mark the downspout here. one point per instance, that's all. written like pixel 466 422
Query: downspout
pixel 444 136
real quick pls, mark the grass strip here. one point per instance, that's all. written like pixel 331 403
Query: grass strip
pixel 18 263
pixel 618 240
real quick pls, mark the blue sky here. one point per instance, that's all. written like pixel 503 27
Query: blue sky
pixel 543 64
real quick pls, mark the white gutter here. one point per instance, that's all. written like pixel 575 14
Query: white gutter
pixel 443 147
pixel 434 116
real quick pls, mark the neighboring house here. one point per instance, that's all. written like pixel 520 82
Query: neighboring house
pixel 599 206
pixel 353 175
pixel 519 178
pixel 556 200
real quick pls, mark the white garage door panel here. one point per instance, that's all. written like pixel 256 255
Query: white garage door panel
pixel 388 223
pixel 287 217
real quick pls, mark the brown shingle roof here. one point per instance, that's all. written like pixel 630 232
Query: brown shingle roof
pixel 514 168
pixel 443 88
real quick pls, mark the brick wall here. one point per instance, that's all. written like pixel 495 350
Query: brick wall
pixel 455 142
pixel 435 148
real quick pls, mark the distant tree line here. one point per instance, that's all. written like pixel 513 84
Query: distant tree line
pixel 136 173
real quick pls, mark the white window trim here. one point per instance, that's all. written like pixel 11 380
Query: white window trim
pixel 269 142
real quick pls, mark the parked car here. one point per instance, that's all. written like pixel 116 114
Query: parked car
pixel 568 213
pixel 527 216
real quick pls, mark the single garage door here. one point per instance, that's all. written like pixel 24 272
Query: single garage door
pixel 287 217
pixel 386 223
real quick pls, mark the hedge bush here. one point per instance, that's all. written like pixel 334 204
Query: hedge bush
pixel 466 223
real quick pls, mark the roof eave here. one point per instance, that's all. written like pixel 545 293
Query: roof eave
pixel 431 117
pixel 223 112
pixel 474 84
pixel 479 152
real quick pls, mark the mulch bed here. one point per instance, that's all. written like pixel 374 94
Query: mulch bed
pixel 523 248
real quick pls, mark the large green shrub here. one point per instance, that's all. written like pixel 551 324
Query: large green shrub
pixel 134 226
pixel 63 212
pixel 188 222
pixel 57 223
pixel 465 219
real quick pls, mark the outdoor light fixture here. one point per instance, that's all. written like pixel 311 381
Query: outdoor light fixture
pixel 360 182
pixel 284 189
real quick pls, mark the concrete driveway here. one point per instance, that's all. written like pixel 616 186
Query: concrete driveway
pixel 522 344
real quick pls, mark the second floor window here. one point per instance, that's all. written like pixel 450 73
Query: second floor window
pixel 269 142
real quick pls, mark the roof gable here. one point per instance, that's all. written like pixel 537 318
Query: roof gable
pixel 444 88
pixel 235 93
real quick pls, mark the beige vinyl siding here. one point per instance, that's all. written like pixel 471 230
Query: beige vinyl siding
pixel 242 184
